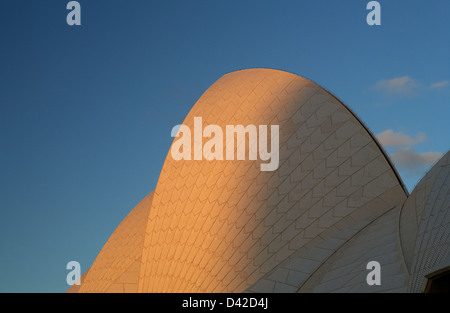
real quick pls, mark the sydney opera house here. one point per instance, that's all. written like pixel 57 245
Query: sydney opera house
pixel 334 204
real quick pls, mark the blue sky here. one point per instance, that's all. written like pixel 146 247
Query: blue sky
pixel 86 111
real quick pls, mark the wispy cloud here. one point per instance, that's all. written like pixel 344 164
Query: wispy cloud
pixel 403 154
pixel 411 160
pixel 391 138
pixel 403 85
pixel 440 84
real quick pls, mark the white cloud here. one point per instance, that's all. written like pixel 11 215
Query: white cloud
pixel 411 160
pixel 391 138
pixel 441 84
pixel 403 85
